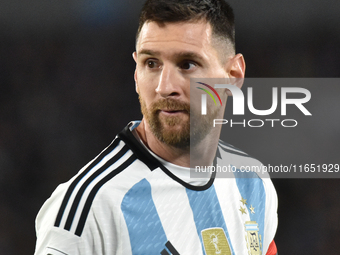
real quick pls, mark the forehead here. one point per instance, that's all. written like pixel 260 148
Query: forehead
pixel 183 35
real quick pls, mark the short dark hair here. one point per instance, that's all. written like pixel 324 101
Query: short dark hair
pixel 216 12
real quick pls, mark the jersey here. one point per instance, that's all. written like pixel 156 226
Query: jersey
pixel 129 201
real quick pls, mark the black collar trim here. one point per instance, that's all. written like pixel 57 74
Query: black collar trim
pixel 149 160
pixel 138 149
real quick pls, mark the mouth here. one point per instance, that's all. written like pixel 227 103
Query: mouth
pixel 172 112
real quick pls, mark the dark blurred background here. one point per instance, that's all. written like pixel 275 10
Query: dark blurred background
pixel 67 88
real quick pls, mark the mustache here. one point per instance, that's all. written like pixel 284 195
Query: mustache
pixel 170 105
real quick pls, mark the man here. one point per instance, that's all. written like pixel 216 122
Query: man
pixel 137 196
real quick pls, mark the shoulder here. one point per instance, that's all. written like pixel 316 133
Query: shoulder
pixel 97 189
pixel 244 166
pixel 80 209
pixel 242 163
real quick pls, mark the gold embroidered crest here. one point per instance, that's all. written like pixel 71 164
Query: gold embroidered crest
pixel 254 242
pixel 215 242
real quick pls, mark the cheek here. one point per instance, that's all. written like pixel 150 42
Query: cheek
pixel 146 90
pixel 141 84
pixel 146 93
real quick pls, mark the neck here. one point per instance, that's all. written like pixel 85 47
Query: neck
pixel 201 155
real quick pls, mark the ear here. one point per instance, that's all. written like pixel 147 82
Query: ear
pixel 236 68
pixel 134 56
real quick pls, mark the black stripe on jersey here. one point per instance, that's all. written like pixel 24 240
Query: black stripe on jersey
pixel 87 183
pixel 164 252
pixel 218 155
pixel 90 198
pixel 138 149
pixel 70 189
pixel 235 152
pixel 221 142
pixel 171 248
pixel 55 250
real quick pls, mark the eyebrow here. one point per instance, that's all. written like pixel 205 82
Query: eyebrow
pixel 149 52
pixel 179 55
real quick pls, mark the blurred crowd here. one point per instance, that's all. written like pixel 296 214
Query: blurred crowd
pixel 62 100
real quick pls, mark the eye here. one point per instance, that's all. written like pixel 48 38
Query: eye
pixel 187 65
pixel 151 64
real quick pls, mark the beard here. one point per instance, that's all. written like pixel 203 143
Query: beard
pixel 175 131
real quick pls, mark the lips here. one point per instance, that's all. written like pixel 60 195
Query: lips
pixel 172 112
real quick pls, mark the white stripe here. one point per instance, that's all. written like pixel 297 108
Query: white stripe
pixel 111 218
pixel 229 198
pixel 106 211
pixel 172 205
pixel 271 220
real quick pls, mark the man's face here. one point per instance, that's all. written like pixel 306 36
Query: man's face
pixel 167 57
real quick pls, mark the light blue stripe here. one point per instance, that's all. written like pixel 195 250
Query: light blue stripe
pixel 146 232
pixel 207 212
pixel 251 225
pixel 256 229
pixel 251 188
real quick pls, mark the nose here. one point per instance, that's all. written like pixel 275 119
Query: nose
pixel 169 82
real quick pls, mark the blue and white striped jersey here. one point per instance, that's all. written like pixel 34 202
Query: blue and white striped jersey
pixel 127 201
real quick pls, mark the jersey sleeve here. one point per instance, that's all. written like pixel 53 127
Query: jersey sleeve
pixel 55 240
pixel 83 216
pixel 104 230
pixel 51 239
